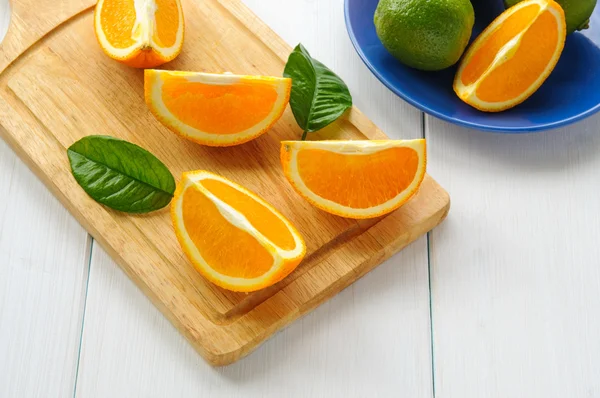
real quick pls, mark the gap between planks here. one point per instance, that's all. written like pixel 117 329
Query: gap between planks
pixel 428 237
pixel 88 265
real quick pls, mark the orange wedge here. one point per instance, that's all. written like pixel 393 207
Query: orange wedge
pixel 511 59
pixel 140 33
pixel 216 109
pixel 355 179
pixel 234 238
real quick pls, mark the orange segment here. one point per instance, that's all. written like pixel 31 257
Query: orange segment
pixel 356 179
pixel 536 50
pixel 213 235
pixel 228 109
pixel 140 33
pixel 510 60
pixel 118 35
pixel 234 238
pixel 216 109
pixel 484 56
pixel 368 180
pixel 258 215
pixel 167 22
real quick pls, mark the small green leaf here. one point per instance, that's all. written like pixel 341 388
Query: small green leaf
pixel 121 175
pixel 318 95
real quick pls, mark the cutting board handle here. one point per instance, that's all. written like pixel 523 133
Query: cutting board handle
pixel 33 19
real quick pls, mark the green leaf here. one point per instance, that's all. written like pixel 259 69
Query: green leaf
pixel 121 175
pixel 318 95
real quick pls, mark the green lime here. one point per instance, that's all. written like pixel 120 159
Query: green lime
pixel 577 12
pixel 425 34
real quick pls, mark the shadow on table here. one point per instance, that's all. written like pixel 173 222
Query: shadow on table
pixel 559 149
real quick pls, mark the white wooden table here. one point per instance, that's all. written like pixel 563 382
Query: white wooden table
pixel 502 300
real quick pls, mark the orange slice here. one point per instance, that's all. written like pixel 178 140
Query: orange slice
pixel 355 179
pixel 140 33
pixel 216 109
pixel 511 59
pixel 234 238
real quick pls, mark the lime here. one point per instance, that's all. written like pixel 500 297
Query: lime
pixel 425 34
pixel 577 12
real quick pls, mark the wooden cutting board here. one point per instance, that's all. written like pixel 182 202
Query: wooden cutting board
pixel 56 86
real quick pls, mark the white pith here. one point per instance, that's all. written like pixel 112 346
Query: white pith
pixel 145 25
pixel 358 148
pixel 238 220
pixel 469 92
pixel 225 79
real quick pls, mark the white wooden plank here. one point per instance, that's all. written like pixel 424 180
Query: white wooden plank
pixel 515 268
pixel 44 258
pixel 371 340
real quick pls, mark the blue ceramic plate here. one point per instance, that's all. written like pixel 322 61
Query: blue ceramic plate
pixel 571 93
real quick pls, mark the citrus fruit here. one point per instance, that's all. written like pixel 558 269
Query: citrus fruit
pixel 427 35
pixel 355 179
pixel 513 56
pixel 235 239
pixel 577 12
pixel 140 33
pixel 216 109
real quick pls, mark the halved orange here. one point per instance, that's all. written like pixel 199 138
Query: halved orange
pixel 140 33
pixel 234 238
pixel 216 109
pixel 355 179
pixel 511 59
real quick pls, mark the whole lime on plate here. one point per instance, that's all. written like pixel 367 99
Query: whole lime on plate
pixel 426 35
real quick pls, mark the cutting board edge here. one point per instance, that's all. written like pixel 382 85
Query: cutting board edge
pixel 210 352
pixel 223 358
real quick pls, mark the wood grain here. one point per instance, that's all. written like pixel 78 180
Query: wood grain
pixel 31 20
pixel 515 280
pixel 44 260
pixel 65 88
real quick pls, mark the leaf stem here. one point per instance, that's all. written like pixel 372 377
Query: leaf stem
pixel 304 135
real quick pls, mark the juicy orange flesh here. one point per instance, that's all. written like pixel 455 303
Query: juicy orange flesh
pixel 261 217
pixel 486 54
pixel 511 79
pixel 167 23
pixel 358 181
pixel 117 18
pixel 219 109
pixel 227 249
